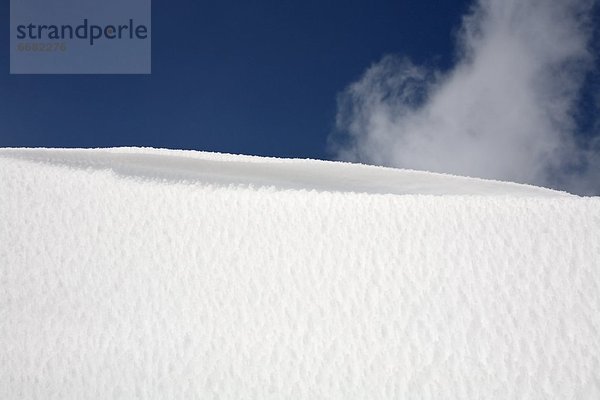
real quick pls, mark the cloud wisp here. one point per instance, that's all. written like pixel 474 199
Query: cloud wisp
pixel 507 109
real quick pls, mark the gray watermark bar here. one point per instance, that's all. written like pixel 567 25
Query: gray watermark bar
pixel 80 37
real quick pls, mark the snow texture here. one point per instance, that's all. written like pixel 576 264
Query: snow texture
pixel 141 273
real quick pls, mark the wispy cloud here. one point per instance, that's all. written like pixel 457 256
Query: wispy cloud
pixel 507 109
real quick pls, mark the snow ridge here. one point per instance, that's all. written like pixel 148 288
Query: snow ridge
pixel 224 169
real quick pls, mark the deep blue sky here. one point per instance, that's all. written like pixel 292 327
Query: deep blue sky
pixel 231 76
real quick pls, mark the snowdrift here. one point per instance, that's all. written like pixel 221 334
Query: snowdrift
pixel 141 273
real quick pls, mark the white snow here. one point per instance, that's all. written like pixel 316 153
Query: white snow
pixel 142 273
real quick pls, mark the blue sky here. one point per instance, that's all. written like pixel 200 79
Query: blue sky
pixel 270 78
pixel 232 76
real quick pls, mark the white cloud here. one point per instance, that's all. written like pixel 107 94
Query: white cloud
pixel 505 111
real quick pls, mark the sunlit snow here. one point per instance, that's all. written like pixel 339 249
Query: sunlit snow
pixel 142 273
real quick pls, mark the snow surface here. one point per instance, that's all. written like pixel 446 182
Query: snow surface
pixel 141 273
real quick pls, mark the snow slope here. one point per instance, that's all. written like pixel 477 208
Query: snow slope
pixel 141 273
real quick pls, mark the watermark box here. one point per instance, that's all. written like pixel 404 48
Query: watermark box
pixel 80 36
